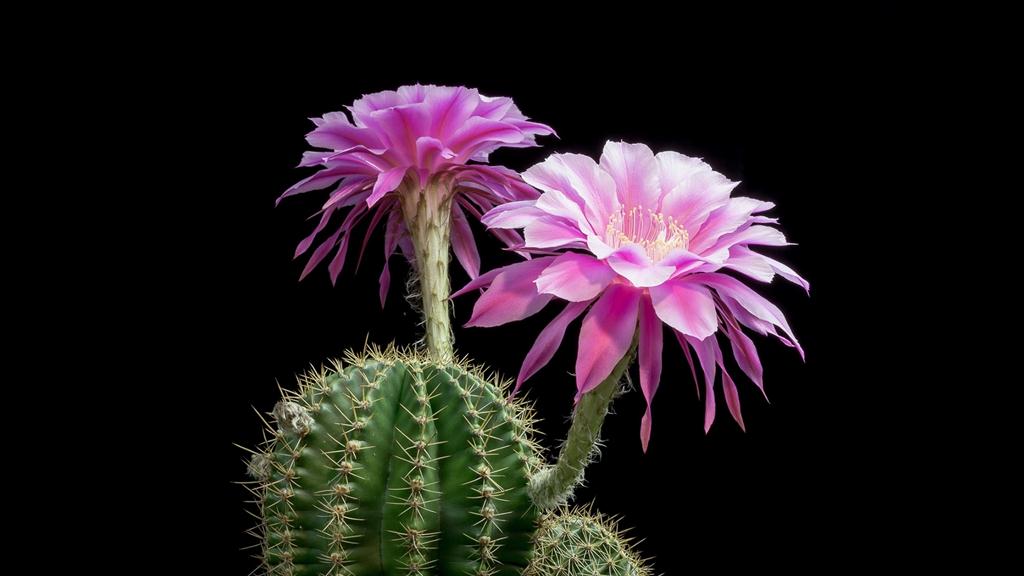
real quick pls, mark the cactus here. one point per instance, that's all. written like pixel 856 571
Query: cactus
pixel 395 464
pixel 577 543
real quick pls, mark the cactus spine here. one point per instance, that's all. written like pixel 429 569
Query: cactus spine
pixel 577 543
pixel 396 465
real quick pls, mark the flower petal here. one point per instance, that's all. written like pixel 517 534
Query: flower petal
pixel 512 214
pixel 686 306
pixel 579 188
pixel 606 335
pixel 709 353
pixel 575 277
pixel 478 132
pixel 512 295
pixel 463 244
pixel 739 297
pixel 732 398
pixel 650 363
pixel 693 199
pixel 635 172
pixel 548 341
pixel 745 352
pixel 552 232
pixel 633 264
pixel 386 182
pixel 723 220
pixel 674 168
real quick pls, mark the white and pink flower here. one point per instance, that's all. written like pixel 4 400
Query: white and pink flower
pixel 640 240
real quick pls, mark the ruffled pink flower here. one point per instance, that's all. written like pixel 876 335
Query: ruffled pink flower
pixel 641 240
pixel 416 140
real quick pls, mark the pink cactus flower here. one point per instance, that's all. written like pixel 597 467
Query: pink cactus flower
pixel 641 240
pixel 418 140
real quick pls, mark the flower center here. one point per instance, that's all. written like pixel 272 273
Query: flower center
pixel 656 233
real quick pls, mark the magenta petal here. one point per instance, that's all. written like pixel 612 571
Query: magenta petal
pixel 480 281
pixel 320 253
pixel 321 179
pixel 723 220
pixel 633 264
pixel 512 214
pixel 754 265
pixel 392 236
pixel 577 187
pixel 548 341
pixel 575 277
pixel 308 240
pixel 338 262
pixel 674 168
pixel 512 295
pixel 732 399
pixel 552 233
pixel 689 359
pixel 788 273
pixel 708 352
pixel 635 172
pixel 745 352
pixel 606 335
pixel 463 244
pixel 650 363
pixel 756 235
pixel 478 131
pixel 386 182
pixel 734 293
pixel 686 306
pixel 694 198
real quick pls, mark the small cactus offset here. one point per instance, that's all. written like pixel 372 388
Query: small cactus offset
pixel 578 542
pixel 397 465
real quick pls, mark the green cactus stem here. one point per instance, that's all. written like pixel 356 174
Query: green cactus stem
pixel 397 465
pixel 554 485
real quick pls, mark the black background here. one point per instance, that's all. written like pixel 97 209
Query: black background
pixel 791 122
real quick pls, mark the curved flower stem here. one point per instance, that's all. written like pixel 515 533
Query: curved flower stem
pixel 553 486
pixel 428 217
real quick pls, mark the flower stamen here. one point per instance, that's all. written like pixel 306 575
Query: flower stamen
pixel 656 233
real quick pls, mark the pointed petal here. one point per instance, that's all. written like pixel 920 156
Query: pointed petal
pixel 308 240
pixel 321 179
pixel 650 363
pixel 320 253
pixel 606 335
pixel 338 262
pixel 689 359
pixel 548 341
pixel 463 244
pixel 708 353
pixel 745 352
pixel 686 306
pixel 512 214
pixel 480 281
pixel 386 182
pixel 512 295
pixel 552 233
pixel 732 399
pixel 694 198
pixel 575 277
pixel 739 297
pixel 724 220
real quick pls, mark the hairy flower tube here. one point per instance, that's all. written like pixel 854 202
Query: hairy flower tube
pixel 413 159
pixel 636 241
